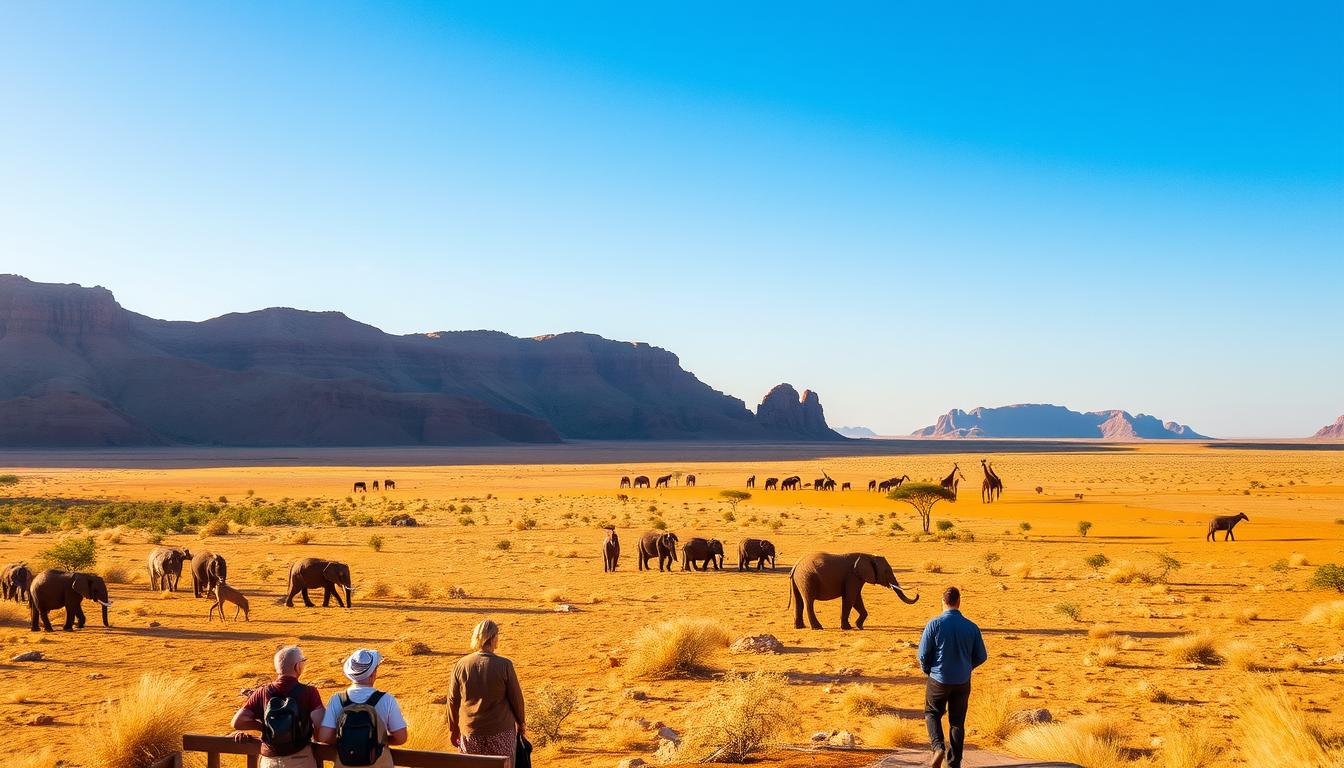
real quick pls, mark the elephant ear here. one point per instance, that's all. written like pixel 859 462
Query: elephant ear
pixel 82 583
pixel 866 568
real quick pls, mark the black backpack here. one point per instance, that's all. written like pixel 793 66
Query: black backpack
pixel 285 727
pixel 360 735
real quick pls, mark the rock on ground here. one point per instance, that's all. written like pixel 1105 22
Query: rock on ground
pixel 756 644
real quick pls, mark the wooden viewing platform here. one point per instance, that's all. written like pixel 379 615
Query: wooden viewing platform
pixel 214 746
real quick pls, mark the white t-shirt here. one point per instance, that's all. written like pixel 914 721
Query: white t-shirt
pixel 389 711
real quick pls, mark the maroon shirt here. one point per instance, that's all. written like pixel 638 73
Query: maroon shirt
pixel 281 686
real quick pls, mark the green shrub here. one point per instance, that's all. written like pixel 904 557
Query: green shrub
pixel 1328 576
pixel 9 479
pixel 548 709
pixel 376 543
pixel 659 525
pixel 1069 609
pixel 71 555
pixel 943 525
pixel 1025 526
pixel 503 545
pixel 1083 527
pixel 1097 562
pixel 1280 565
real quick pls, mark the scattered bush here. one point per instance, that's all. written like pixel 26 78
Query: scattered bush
pixel 892 732
pixel 623 735
pixel 379 589
pixel 1022 570
pixel 1328 576
pixel 9 480
pixel 454 592
pixel 407 646
pixel 1100 631
pixel 553 595
pixel 991 560
pixel 1105 654
pixel 376 543
pixel 1274 732
pixel 1246 616
pixel 1150 692
pixel 1070 610
pixel 417 590
pixel 1330 614
pixel 743 715
pixel 1083 527
pixel 466 520
pixel 930 566
pixel 1097 562
pixel 76 554
pixel 675 648
pixel 1168 564
pixel 1280 565
pixel 134 729
pixel 1024 526
pixel 1127 573
pixel 300 537
pixel 503 545
pixel 1241 656
pixel 1197 648
pixel 862 701
pixel 943 525
pixel 547 711
pixel 1298 560
pixel 1066 742
pixel 1189 748
pixel 115 574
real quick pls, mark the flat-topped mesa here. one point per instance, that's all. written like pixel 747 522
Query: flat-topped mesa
pixel 1036 420
pixel 62 311
pixel 784 411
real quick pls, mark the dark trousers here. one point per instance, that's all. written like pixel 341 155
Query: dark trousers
pixel 939 698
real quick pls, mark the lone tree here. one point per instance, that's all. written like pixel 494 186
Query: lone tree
pixel 922 496
pixel 735 497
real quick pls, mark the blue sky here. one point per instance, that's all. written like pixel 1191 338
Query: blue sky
pixel 906 208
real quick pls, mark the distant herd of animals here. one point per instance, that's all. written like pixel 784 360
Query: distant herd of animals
pixel 361 487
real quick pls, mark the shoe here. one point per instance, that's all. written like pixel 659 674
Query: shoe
pixel 939 755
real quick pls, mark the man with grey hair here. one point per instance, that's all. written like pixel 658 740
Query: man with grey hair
pixel 285 711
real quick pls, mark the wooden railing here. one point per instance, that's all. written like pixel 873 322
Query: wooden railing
pixel 214 746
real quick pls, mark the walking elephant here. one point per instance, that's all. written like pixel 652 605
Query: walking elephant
pixel 207 571
pixel 690 481
pixel 165 567
pixel 700 553
pixel 751 481
pixel 758 550
pixel 660 545
pixel 625 482
pixel 826 576
pixel 1224 523
pixel 662 481
pixel 311 572
pixel 360 487
pixel 771 483
pixel 14 580
pixel 790 483
pixel 611 551
pixel 389 485
pixel 55 589
pixel 642 481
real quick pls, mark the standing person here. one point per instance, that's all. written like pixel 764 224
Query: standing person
pixel 950 648
pixel 485 701
pixel 286 712
pixel 362 722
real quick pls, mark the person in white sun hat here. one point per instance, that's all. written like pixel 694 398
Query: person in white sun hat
pixel 362 722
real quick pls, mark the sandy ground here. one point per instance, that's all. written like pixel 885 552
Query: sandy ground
pixel 1142 501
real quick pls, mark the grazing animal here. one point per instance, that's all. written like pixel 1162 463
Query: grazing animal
pixel 625 482
pixel 1224 523
pixel 207 570
pixel 660 545
pixel 700 553
pixel 991 486
pixel 751 481
pixel 389 485
pixel 375 485
pixel 611 551
pixel 642 481
pixel 826 576
pixel 165 567
pixel 690 481
pixel 771 483
pixel 892 483
pixel 844 486
pixel 791 483
pixel 662 481
pixel 312 572
pixel 360 487
pixel 55 589
pixel 819 483
pixel 952 480
pixel 14 580
pixel 758 550
pixel 226 594
pixel 872 485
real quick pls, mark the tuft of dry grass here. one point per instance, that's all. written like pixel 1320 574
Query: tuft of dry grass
pixel 216 527
pixel 623 735
pixel 862 700
pixel 894 732
pixel 1126 572
pixel 115 574
pixel 454 592
pixel 410 647
pixel 1100 631
pixel 135 729
pixel 1274 732
pixel 1189 748
pixel 9 614
pixel 42 758
pixel 379 589
pixel 1241 655
pixel 1150 692
pixel 1298 560
pixel 300 537
pixel 1330 614
pixel 742 716
pixel 675 648
pixel 1245 616
pixel 18 696
pixel 992 716
pixel 1067 742
pixel 417 590
pixel 553 595
pixel 1197 648
pixel 1022 570
pixel 931 566
pixel 427 727
pixel 1105 654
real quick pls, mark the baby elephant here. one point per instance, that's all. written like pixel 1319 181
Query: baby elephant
pixel 701 553
pixel 758 550
pixel 225 593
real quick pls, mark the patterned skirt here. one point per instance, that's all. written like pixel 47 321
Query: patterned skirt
pixel 499 744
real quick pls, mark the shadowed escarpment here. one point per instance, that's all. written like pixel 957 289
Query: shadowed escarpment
pixel 1055 421
pixel 77 369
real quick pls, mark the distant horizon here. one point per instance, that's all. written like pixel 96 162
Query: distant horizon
pixel 904 208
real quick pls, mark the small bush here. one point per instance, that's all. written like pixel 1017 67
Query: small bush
pixel 1097 562
pixel 1189 748
pixel 454 592
pixel 427 727
pixel 417 590
pixel 216 527
pixel 742 716
pixel 1070 610
pixel 407 646
pixel 1083 527
pixel 943 525
pixel 1328 576
pixel 930 566
pixel 623 735
pixel 675 648
pixel 892 732
pixel 134 729
pixel 547 711
pixel 1198 648
pixel 1246 616
pixel 1280 565
pixel 1066 743
pixel 75 554
pixel 300 537
pixel 379 589
pixel 1022 570
pixel 991 560
pixel 376 543
pixel 1147 691
pixel 1106 654
pixel 862 701
pixel 1241 656
pixel 1298 560
pixel 1168 564
pixel 263 572
pixel 503 545
pixel 466 520
pixel 9 480
pixel 1330 614
pixel 993 717
pixel 1274 732
pixel 1024 526
pixel 659 525
pixel 115 574
pixel 553 595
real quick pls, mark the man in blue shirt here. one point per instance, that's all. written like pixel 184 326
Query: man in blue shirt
pixel 950 648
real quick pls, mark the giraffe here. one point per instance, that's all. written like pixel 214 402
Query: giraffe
pixel 998 484
pixel 990 484
pixel 953 479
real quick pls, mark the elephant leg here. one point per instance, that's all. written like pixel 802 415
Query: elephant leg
pixel 80 620
pixel 797 606
pixel 846 605
pixel 812 613
pixel 860 609
pixel 69 615
pixel 307 600
pixel 336 593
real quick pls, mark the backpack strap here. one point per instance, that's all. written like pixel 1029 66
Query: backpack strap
pixel 344 698
pixel 373 700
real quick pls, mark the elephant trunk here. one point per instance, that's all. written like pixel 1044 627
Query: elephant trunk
pixel 105 624
pixel 904 599
pixel 349 596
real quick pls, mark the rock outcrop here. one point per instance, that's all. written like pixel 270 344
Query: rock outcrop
pixel 856 432
pixel 77 369
pixel 1331 431
pixel 784 412
pixel 1055 421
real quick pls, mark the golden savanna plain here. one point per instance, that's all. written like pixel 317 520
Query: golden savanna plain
pixel 515 534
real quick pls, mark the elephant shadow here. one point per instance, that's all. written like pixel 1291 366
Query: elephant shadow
pixel 464 608
pixel 194 634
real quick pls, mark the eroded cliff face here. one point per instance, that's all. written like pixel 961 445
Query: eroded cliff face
pixel 1032 420
pixel 784 411
pixel 78 369
pixel 1331 431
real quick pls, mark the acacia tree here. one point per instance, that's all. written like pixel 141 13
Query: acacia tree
pixel 922 496
pixel 735 497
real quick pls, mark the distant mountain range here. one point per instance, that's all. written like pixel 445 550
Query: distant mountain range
pixel 77 369
pixel 856 432
pixel 1331 431
pixel 1055 421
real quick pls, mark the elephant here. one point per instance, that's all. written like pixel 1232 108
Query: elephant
pixel 62 589
pixel 759 550
pixel 790 483
pixel 751 481
pixel 14 580
pixel 611 551
pixel 662 481
pixel 625 482
pixel 660 545
pixel 1224 523
pixel 771 483
pixel 360 487
pixel 700 553
pixel 312 572
pixel 642 481
pixel 826 576
pixel 375 485
pixel 872 485
pixel 690 481
pixel 389 485
pixel 207 570
pixel 165 567
pixel 845 486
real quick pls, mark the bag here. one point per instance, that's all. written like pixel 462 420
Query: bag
pixel 285 727
pixel 522 753
pixel 360 734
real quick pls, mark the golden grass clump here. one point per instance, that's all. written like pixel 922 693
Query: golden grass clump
pixel 1105 654
pixel 417 590
pixel 216 527
pixel 300 537
pixel 1068 742
pixel 1197 648
pixel 135 729
pixel 410 647
pixel 1298 560
pixel 1125 572
pixel 1022 570
pixel 892 732
pixel 931 566
pixel 454 592
pixel 1150 692
pixel 553 595
pixel 427 727
pixel 115 574
pixel 548 708
pixel 623 735
pixel 862 700
pixel 1189 748
pixel 675 648
pixel 992 717
pixel 1245 616
pixel 42 758
pixel 1330 614
pixel 1100 631
pixel 1241 655
pixel 1274 732
pixel 379 589
pixel 742 716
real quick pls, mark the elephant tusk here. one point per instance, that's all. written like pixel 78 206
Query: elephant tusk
pixel 105 603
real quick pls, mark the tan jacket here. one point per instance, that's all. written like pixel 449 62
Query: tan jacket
pixel 484 697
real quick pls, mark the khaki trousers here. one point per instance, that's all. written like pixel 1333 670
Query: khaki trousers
pixel 301 759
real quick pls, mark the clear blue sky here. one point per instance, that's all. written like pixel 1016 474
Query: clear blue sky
pixel 906 207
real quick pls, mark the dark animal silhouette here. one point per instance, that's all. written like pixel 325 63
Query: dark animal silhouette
pixel 625 482
pixel 360 487
pixel 751 481
pixel 14 582
pixel 991 486
pixel 758 550
pixel 690 481
pixel 771 483
pixel 872 485
pixel 660 545
pixel 844 486
pixel 952 480
pixel 892 483
pixel 389 485
pixel 792 483
pixel 375 485
pixel 1224 523
pixel 611 551
pixel 642 481
pixel 662 481
pixel 701 553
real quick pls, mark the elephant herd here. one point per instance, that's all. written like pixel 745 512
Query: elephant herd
pixel 696 553
pixel 362 487
pixel 823 483
pixel 642 481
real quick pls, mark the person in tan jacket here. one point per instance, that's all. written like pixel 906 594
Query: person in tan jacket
pixel 485 701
